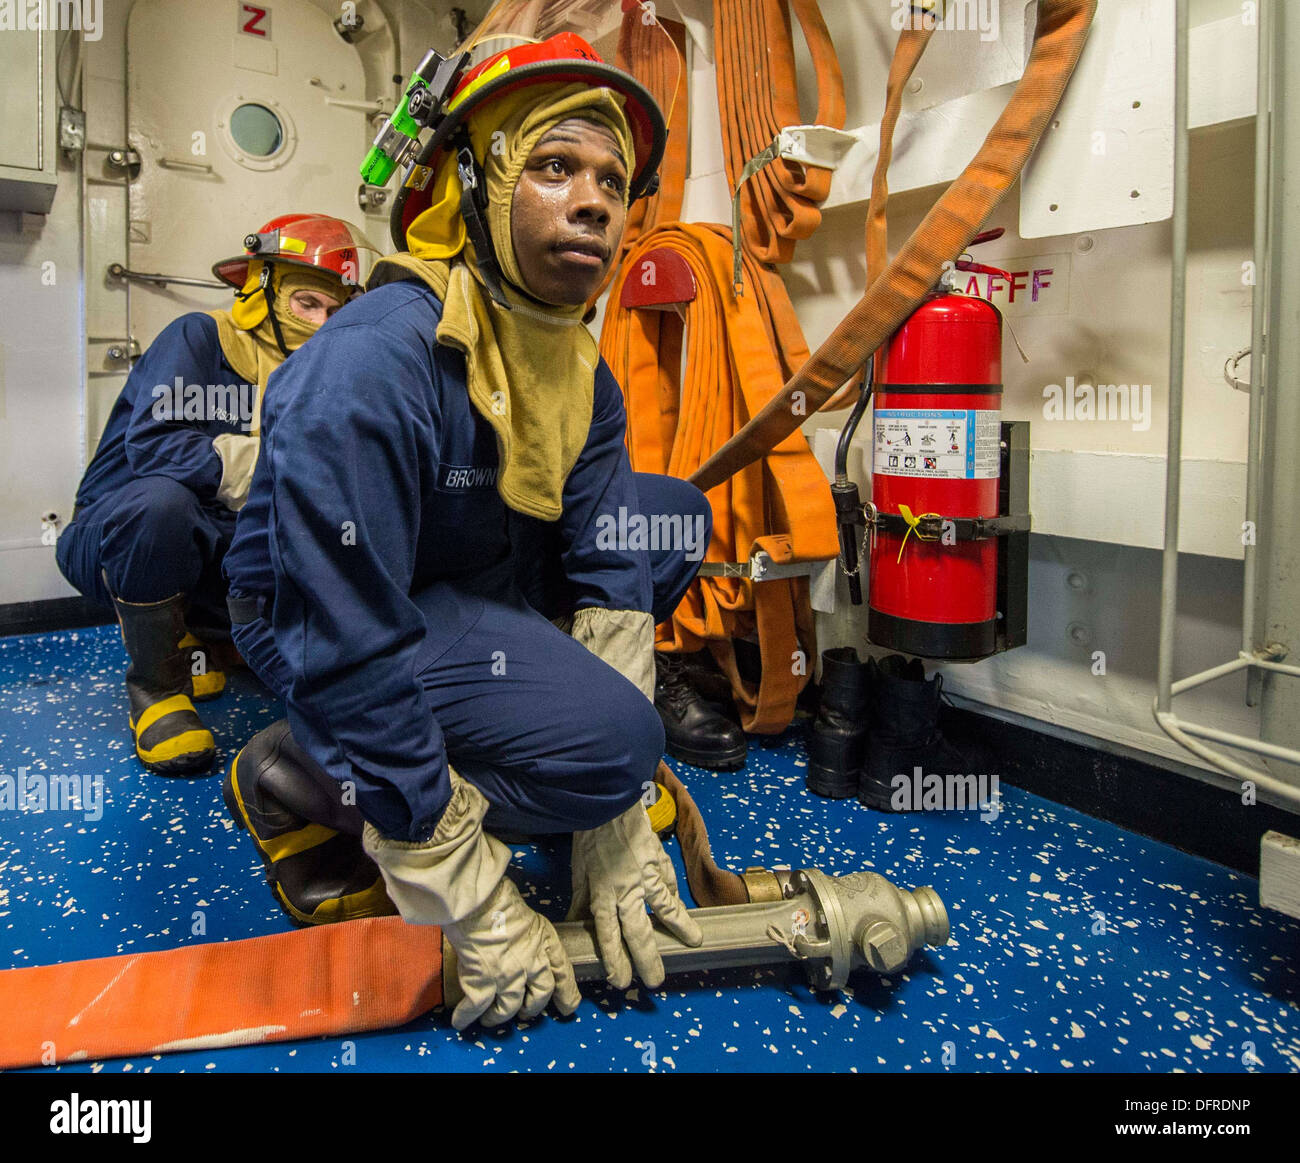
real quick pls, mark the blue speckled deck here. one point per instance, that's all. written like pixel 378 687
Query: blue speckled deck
pixel 1076 946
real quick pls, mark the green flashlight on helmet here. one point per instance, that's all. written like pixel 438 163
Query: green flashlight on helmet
pixel 399 137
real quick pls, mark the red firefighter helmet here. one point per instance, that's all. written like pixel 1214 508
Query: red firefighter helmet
pixel 312 240
pixel 560 59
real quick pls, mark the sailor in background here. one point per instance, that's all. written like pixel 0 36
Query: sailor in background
pixel 156 508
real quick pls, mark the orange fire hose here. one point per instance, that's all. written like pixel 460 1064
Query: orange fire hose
pixel 655 53
pixel 336 979
pixel 653 50
pixel 757 96
pixel 1061 33
pixel 709 884
pixel 741 350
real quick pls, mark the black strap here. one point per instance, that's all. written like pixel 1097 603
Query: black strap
pixel 244 610
pixel 473 208
pixel 939 390
pixel 931 527
pixel 264 285
pixel 270 310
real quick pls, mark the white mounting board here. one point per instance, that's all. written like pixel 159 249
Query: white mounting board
pixel 1107 159
pixel 980 45
pixel 935 144
pixel 930 146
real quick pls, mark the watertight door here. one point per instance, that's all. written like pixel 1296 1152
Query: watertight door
pixel 229 108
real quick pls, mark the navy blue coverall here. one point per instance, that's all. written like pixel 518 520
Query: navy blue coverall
pixel 147 512
pixel 401 608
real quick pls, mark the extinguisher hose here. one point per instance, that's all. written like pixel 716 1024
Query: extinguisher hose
pixel 848 505
pixel 851 427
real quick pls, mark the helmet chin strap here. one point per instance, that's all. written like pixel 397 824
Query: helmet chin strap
pixel 473 208
pixel 265 283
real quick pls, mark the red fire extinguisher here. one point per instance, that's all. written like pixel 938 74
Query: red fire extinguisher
pixel 938 502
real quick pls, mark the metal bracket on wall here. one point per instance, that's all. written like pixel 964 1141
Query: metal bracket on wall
pixel 371 199
pixel 72 130
pixel 121 158
pixel 760 567
pixel 120 349
pixel 117 271
pixel 172 163
pixel 1230 371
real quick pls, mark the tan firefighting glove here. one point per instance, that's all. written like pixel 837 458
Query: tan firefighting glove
pixel 625 639
pixel 238 459
pixel 618 869
pixel 510 961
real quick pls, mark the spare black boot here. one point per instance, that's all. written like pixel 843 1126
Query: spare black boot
pixel 170 738
pixel 905 735
pixel 693 730
pixel 308 839
pixel 837 742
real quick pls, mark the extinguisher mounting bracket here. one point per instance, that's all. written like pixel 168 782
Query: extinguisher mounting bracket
pixel 934 527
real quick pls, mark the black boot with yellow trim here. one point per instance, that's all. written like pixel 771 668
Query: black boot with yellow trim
pixel 308 839
pixel 662 810
pixel 170 738
pixel 206 675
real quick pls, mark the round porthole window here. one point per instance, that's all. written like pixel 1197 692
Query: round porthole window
pixel 256 130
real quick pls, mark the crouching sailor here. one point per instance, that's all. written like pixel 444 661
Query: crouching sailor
pixel 156 508
pixel 439 467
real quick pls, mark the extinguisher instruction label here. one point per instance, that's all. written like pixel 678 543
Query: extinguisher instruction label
pixel 938 444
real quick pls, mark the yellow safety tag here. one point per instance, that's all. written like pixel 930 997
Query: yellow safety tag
pixel 913 525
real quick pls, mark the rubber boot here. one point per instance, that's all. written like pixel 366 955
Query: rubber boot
pixel 308 839
pixel 694 732
pixel 904 732
pixel 837 742
pixel 662 810
pixel 206 675
pixel 170 738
